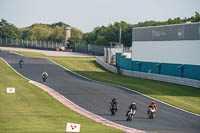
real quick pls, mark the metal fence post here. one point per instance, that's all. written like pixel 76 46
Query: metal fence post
pixel 36 43
pixel 6 40
pixel 17 43
pixel 40 43
pixel 47 45
pixel 22 43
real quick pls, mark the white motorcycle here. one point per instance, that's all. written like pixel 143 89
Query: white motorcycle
pixel 151 112
pixel 130 114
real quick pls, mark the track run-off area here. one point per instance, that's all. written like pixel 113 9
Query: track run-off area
pixel 95 96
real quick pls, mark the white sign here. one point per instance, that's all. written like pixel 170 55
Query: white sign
pixel 10 90
pixel 72 127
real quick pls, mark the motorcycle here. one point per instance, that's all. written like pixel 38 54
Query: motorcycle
pixel 113 108
pixel 21 63
pixel 130 114
pixel 44 78
pixel 151 112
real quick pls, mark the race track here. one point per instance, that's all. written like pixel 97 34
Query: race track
pixel 95 97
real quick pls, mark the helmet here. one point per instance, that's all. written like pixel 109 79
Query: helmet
pixel 133 103
pixel 153 102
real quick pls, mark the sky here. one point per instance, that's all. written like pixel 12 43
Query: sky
pixel 88 14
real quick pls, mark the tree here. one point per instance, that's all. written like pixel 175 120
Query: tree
pixel 104 35
pixel 76 37
pixel 57 34
pixel 197 17
pixel 36 32
pixel 8 30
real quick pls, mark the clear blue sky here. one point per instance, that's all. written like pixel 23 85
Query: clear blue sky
pixel 87 14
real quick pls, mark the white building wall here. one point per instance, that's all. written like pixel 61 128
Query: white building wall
pixel 179 52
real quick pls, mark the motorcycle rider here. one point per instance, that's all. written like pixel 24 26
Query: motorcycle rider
pixel 21 62
pixel 132 107
pixel 114 101
pixel 152 105
pixel 44 76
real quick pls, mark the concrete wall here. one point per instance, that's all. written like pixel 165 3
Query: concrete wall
pixel 100 61
pixel 164 78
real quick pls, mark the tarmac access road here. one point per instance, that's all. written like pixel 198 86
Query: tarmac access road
pixel 95 97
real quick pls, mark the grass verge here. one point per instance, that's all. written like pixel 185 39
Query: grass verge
pixel 31 109
pixel 184 97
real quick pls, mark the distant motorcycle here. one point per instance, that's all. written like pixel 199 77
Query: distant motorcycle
pixel 44 78
pixel 113 108
pixel 20 65
pixel 151 112
pixel 21 62
pixel 130 114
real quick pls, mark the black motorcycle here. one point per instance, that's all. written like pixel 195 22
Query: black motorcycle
pixel 113 108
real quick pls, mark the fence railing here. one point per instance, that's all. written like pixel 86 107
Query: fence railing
pixel 48 45
pixel 90 49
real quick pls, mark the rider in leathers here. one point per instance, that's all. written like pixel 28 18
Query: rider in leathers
pixel 133 107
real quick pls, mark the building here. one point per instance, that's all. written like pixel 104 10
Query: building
pixel 67 34
pixel 172 50
pixel 178 44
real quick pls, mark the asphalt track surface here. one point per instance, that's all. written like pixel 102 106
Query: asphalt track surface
pixel 95 97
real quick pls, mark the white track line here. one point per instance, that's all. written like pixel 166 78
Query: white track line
pixel 16 53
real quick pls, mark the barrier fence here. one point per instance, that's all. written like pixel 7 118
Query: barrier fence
pixel 90 49
pixel 177 70
pixel 48 45
pixel 151 76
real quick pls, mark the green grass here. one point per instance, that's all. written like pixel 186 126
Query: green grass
pixel 31 110
pixel 184 97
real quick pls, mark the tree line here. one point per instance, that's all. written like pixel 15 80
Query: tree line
pixel 99 36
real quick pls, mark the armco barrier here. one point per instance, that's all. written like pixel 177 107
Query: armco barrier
pixel 151 76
